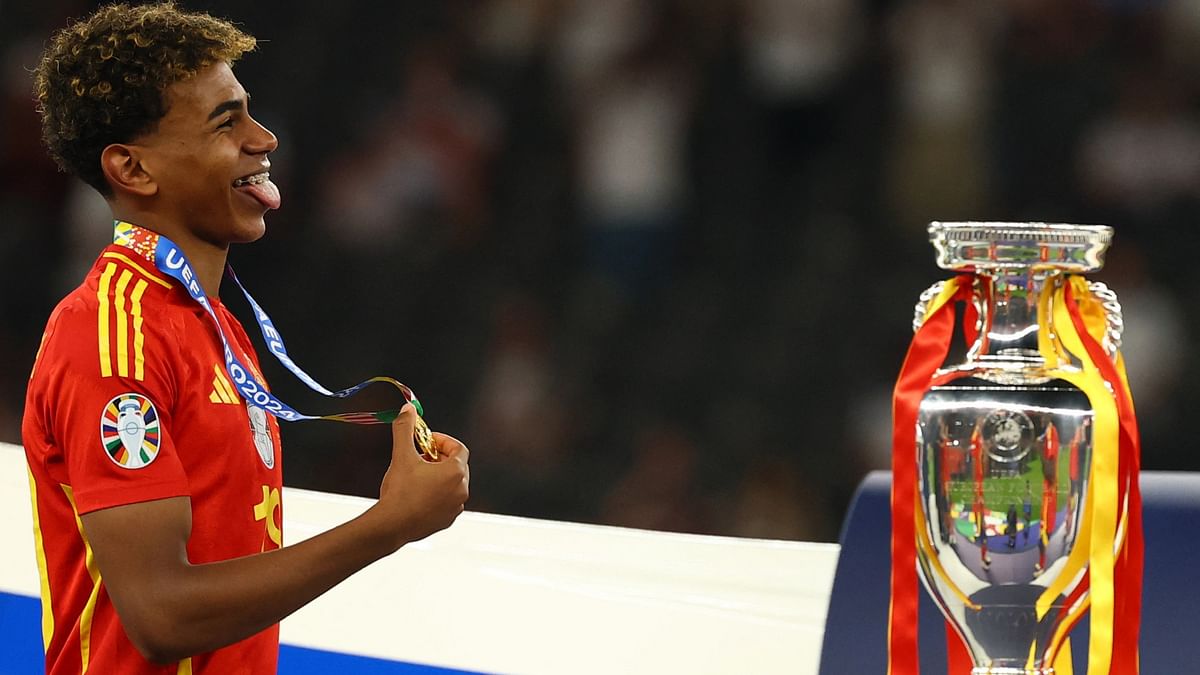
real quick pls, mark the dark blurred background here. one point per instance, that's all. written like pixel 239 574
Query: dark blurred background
pixel 655 262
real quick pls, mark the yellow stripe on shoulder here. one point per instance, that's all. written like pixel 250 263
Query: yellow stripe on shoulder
pixel 103 319
pixel 122 323
pixel 139 338
pixel 120 310
pixel 116 255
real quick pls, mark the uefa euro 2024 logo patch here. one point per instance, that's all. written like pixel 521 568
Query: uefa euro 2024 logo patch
pixel 129 431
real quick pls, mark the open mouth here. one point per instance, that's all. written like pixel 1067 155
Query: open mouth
pixel 259 186
pixel 253 179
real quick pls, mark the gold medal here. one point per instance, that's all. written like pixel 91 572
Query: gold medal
pixel 423 438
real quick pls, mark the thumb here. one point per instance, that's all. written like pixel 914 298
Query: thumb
pixel 402 432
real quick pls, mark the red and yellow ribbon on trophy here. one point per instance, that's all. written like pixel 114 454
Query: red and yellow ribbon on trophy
pixel 1109 548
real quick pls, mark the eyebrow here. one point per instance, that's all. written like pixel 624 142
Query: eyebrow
pixel 231 104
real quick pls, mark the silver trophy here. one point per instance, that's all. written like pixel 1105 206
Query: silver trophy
pixel 1004 447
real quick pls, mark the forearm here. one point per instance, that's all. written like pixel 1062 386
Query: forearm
pixel 207 606
pixel 172 609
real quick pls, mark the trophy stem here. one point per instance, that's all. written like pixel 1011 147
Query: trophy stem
pixel 1009 315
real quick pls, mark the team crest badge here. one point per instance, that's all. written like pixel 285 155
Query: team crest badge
pixel 129 431
pixel 262 435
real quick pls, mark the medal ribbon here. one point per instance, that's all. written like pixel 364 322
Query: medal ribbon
pixel 169 259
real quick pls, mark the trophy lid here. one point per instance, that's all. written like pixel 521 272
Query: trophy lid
pixel 972 246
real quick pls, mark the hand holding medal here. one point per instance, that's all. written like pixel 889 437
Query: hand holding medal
pixel 422 434
pixel 170 260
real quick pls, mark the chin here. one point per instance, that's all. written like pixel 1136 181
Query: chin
pixel 250 230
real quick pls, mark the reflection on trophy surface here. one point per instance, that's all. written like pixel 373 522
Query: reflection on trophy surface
pixel 1004 448
pixel 1004 492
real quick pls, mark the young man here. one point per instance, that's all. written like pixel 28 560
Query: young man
pixel 155 484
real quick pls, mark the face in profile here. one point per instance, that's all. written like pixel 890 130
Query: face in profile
pixel 207 159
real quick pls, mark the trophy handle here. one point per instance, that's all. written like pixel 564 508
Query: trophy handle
pixel 923 301
pixel 1112 312
pixel 1108 299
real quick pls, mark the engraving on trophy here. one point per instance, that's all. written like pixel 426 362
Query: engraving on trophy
pixel 1008 435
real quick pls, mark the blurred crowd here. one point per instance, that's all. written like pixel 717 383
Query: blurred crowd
pixel 655 261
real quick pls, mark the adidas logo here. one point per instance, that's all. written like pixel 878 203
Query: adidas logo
pixel 222 391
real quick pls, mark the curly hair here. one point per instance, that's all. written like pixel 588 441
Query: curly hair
pixel 103 79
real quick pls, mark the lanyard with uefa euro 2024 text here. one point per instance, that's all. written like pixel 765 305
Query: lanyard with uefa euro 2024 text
pixel 169 259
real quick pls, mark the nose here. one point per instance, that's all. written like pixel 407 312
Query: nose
pixel 260 141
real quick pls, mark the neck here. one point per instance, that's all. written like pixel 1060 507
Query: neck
pixel 208 261
pixel 207 258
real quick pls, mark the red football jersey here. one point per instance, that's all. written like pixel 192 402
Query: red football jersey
pixel 129 402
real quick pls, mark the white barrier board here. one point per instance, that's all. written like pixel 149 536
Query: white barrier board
pixel 500 594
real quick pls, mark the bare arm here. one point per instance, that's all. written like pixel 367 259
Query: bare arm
pixel 172 609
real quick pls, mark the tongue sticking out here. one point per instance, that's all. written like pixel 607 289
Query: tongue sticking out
pixel 266 193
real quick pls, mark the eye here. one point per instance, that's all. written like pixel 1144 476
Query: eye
pixel 227 124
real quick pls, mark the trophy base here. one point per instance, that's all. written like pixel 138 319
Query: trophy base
pixel 1005 670
pixel 1000 670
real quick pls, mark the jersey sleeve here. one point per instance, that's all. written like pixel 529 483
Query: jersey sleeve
pixel 109 393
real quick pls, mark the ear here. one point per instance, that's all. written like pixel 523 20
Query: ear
pixel 122 166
